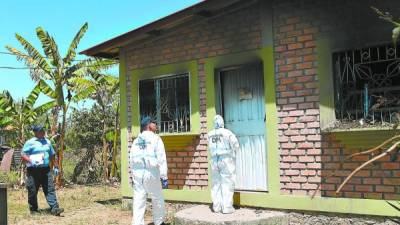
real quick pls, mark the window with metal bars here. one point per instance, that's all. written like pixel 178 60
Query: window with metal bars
pixel 367 85
pixel 166 100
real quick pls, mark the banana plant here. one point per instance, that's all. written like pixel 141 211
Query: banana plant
pixel 18 116
pixel 57 72
pixel 103 89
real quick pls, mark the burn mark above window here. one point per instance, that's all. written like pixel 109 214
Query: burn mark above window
pixel 367 85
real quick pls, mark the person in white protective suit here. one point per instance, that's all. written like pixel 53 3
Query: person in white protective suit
pixel 148 173
pixel 222 144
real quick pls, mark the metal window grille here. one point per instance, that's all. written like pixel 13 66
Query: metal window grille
pixel 167 101
pixel 367 84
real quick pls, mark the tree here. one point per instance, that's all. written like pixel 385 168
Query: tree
pixel 20 115
pixel 389 18
pixel 103 89
pixel 57 72
pixel 84 139
pixel 115 134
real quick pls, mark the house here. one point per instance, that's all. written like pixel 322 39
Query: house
pixel 290 78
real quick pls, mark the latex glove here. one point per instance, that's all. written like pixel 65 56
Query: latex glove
pixel 164 183
pixel 56 171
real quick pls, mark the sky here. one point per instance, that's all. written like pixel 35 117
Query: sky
pixel 62 19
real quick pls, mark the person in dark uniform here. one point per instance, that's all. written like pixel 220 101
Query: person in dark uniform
pixel 38 154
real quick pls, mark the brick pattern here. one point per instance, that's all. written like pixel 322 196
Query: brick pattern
pixel 305 156
pixel 380 180
pixel 188 168
pixel 298 25
pixel 129 121
pixel 234 31
pixel 297 102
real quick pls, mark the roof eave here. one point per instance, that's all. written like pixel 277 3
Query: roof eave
pixel 110 48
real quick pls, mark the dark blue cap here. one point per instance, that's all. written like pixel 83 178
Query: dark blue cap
pixel 37 128
pixel 146 121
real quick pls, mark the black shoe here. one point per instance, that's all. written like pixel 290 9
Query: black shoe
pixel 57 211
pixel 34 212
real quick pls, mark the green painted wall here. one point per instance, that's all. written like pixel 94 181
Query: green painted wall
pixel 152 72
pixel 326 83
pixel 170 69
pixel 124 123
pixel 272 199
pixel 302 203
pixel 363 139
pixel 265 55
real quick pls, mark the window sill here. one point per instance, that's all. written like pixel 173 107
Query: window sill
pixel 179 134
pixel 358 129
pixel 360 139
pixel 180 141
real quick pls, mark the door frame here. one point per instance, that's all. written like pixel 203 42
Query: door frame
pixel 266 56
pixel 219 109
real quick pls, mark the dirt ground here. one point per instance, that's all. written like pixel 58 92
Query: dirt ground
pixel 86 205
pixel 100 205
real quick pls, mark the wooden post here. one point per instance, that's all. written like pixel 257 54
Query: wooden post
pixel 3 204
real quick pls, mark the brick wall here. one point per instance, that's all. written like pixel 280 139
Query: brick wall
pixel 297 101
pixel 305 156
pixel 231 32
pixel 298 25
pixel 377 181
pixel 188 167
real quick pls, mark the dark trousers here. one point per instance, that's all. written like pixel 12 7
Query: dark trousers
pixel 40 177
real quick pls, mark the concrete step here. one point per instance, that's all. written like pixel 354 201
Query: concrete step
pixel 202 215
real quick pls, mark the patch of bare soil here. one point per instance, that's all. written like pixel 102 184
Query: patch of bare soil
pixel 86 205
pixel 95 214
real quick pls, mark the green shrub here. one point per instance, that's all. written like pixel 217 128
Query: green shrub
pixel 68 168
pixel 11 177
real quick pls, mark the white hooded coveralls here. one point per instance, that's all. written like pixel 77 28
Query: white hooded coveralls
pixel 148 163
pixel 222 144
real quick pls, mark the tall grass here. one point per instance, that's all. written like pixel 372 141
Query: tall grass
pixel 11 177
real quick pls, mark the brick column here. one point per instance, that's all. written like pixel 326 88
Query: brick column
pixel 297 102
